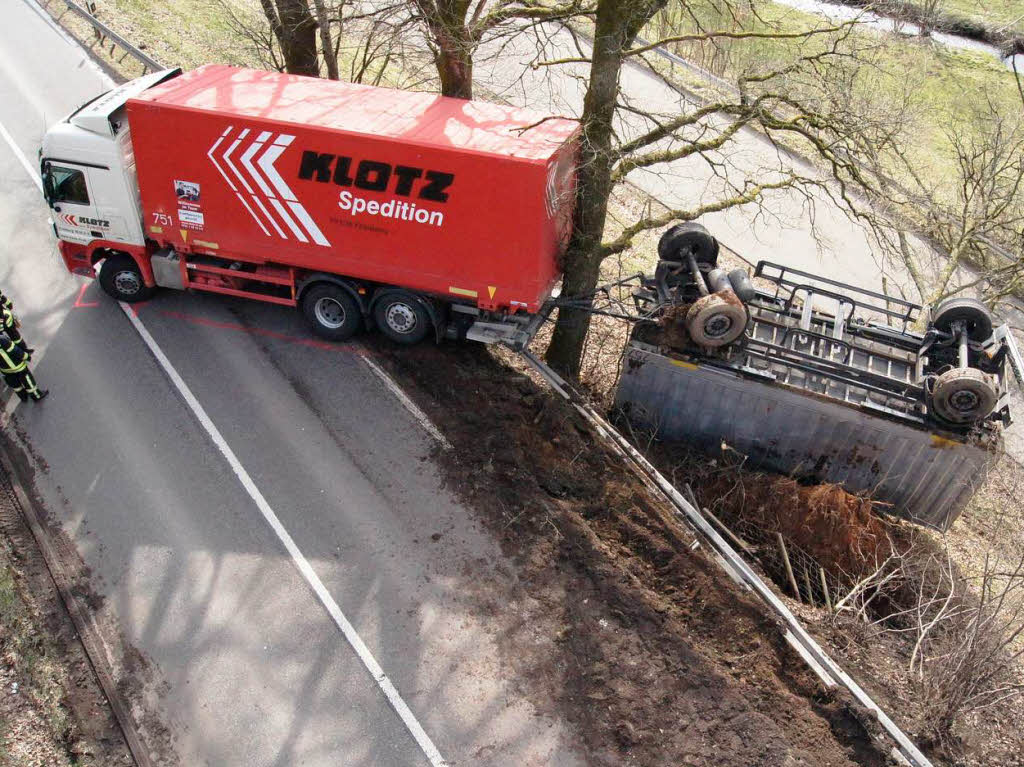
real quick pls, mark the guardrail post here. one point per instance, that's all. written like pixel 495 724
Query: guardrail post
pixel 104 33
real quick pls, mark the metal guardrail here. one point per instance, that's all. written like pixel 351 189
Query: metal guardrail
pixel 904 750
pixel 104 31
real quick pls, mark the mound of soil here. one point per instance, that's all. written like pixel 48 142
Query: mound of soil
pixel 839 529
pixel 672 325
pixel 622 629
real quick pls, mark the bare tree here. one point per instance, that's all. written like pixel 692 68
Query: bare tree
pixel 964 636
pixel 975 215
pixel 294 29
pixel 778 101
pixel 454 29
pixel 327 46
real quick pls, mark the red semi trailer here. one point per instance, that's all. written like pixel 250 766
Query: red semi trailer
pixel 413 212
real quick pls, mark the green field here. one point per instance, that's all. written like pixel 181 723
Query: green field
pixel 938 88
pixel 999 12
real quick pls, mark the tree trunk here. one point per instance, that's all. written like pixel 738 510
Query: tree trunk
pixel 455 66
pixel 613 34
pixel 452 43
pixel 295 29
pixel 326 44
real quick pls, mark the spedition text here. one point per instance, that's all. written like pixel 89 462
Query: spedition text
pixel 404 211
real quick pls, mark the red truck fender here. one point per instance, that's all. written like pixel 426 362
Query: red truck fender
pixel 82 259
pixel 310 280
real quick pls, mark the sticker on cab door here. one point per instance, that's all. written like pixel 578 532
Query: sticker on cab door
pixel 72 220
pixel 190 207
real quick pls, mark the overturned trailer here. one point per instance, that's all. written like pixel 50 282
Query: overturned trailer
pixel 821 380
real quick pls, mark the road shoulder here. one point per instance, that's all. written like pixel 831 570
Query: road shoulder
pixel 52 706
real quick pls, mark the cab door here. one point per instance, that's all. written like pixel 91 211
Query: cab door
pixel 74 214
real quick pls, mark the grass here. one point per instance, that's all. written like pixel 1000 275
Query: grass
pixel 190 33
pixel 946 86
pixel 999 12
pixel 34 724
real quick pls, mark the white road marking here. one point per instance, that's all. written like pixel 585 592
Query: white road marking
pixel 392 694
pixel 308 573
pixel 33 173
pixel 411 406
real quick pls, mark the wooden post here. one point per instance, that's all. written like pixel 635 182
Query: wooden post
pixel 740 544
pixel 824 588
pixel 789 567
pixel 807 585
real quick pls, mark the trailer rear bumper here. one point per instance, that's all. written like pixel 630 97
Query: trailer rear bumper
pixel 927 476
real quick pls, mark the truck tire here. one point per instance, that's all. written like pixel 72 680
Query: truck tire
pixel 122 279
pixel 401 317
pixel 965 310
pixel 716 320
pixel 963 396
pixel 679 239
pixel 331 311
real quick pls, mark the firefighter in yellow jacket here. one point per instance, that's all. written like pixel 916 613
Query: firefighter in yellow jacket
pixel 14 368
pixel 9 323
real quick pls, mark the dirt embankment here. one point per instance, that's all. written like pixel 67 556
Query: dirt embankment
pixel 52 710
pixel 839 530
pixel 622 629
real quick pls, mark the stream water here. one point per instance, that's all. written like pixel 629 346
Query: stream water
pixel 835 12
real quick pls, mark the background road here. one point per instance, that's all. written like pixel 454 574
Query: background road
pixel 238 660
pixel 801 228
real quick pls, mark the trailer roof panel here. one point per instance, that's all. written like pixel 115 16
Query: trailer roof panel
pixel 422 118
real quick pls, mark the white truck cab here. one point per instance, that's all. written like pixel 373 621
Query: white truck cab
pixel 88 170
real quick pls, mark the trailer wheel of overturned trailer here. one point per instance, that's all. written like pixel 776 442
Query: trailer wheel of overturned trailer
pixel 963 396
pixel 689 238
pixel 331 311
pixel 716 320
pixel 122 279
pixel 967 311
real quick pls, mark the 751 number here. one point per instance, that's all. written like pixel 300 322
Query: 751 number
pixel 163 219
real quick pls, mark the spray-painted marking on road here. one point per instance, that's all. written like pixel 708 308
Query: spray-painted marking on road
pixel 421 418
pixel 305 569
pixel 79 303
pixel 220 325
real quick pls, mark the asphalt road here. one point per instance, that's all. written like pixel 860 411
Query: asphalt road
pixel 237 658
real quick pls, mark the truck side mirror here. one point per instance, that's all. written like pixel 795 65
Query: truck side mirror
pixel 48 191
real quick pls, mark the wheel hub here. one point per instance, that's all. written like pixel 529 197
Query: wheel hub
pixel 964 400
pixel 329 313
pixel 718 325
pixel 400 318
pixel 964 396
pixel 127 283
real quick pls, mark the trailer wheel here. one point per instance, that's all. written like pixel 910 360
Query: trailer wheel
pixel 331 312
pixel 122 279
pixel 716 320
pixel 401 317
pixel 964 310
pixel 963 396
pixel 681 238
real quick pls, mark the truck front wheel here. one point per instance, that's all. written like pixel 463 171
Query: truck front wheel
pixel 331 312
pixel 122 279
